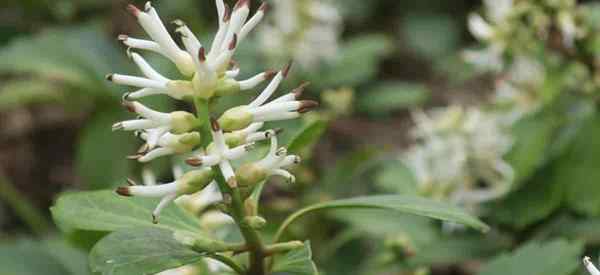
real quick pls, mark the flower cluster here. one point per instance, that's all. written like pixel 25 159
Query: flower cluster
pixel 307 30
pixel 206 74
pixel 458 156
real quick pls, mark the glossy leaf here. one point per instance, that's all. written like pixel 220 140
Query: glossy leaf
pixel 144 250
pixel 296 262
pixel 553 258
pixel 106 211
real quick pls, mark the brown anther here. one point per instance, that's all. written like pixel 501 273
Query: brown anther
pixel 232 182
pixel 226 14
pixel 214 124
pixel 300 89
pixel 240 4
pixel 109 77
pixel 154 219
pixel 133 10
pixel 233 42
pixel 269 74
pixel 264 7
pixel 194 161
pixel 278 131
pixel 202 54
pixel 128 105
pixel 286 69
pixel 123 191
pixel 307 105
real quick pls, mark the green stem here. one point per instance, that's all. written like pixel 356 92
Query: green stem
pixel 290 219
pixel 23 207
pixel 229 262
pixel 251 236
pixel 253 241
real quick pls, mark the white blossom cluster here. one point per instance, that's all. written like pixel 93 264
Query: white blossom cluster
pixel 307 30
pixel 459 155
pixel 206 73
pixel 502 28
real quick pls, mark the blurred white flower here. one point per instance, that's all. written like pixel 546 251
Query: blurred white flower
pixel 306 30
pixel 459 155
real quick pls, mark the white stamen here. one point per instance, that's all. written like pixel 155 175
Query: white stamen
pixel 143 45
pixel 276 117
pixel 156 153
pixel 138 124
pixel 159 190
pixel 275 108
pixel 137 81
pixel 268 91
pixel 251 24
pixel 149 113
pixel 590 266
pixel 145 92
pixel 162 204
pixel 252 82
pixel 147 70
pixel 226 169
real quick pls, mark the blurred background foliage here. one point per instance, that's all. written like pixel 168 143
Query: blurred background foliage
pixel 393 57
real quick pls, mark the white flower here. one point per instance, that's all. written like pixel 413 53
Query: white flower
pixel 210 72
pixel 590 266
pixel 177 122
pixel 567 26
pixel 219 153
pixel 480 28
pixel 272 164
pixel 498 10
pixel 191 182
pixel 168 144
pixel 282 108
pixel 458 149
pixel 307 30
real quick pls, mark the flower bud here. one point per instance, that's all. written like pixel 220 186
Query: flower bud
pixel 182 122
pixel 204 85
pixel 227 86
pixel 180 89
pixel 255 222
pixel 235 139
pixel 186 142
pixel 250 174
pixel 194 181
pixel 235 119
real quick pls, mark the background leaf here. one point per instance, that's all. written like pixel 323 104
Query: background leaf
pixel 106 211
pixel 140 251
pixel 553 258
pixel 391 96
pixel 296 262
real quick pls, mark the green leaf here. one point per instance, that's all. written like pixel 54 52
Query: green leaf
pixel 296 262
pixel 534 201
pixel 531 145
pixel 558 257
pixel 578 169
pixel 396 177
pixel 101 154
pixel 140 251
pixel 401 203
pixel 391 96
pixel 303 142
pixel 50 257
pixel 106 211
pixel 358 62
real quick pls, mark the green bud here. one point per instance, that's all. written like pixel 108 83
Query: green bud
pixel 180 89
pixel 182 122
pixel 255 222
pixel 227 86
pixel 236 118
pixel 250 174
pixel 194 181
pixel 204 87
pixel 187 142
pixel 235 139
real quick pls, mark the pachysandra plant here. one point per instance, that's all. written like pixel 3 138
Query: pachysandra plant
pixel 214 177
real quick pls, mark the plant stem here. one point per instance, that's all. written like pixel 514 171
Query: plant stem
pixel 229 262
pixel 23 207
pixel 253 240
